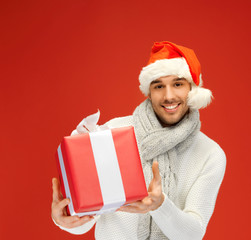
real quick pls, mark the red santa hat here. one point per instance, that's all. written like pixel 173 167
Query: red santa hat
pixel 171 59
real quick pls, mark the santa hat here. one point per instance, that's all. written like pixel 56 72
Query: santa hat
pixel 171 59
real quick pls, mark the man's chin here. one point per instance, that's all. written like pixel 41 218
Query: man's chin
pixel 171 121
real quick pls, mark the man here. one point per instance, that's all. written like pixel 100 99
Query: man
pixel 183 168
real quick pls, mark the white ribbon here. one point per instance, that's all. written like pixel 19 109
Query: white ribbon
pixel 109 175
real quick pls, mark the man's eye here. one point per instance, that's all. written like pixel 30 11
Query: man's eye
pixel 178 84
pixel 158 86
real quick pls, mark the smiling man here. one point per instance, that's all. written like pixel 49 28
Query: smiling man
pixel 169 99
pixel 183 168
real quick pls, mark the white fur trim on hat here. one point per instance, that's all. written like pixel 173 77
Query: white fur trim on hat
pixel 162 68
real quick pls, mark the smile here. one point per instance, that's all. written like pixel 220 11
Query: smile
pixel 171 108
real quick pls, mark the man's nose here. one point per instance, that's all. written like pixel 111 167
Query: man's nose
pixel 169 94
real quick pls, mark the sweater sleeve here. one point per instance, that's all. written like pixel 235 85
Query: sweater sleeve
pixel 81 229
pixel 190 223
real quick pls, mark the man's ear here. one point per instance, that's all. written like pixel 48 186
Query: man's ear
pixel 149 95
pixel 190 86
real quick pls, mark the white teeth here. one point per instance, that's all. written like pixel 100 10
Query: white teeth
pixel 171 107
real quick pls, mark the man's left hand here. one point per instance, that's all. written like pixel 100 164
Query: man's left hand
pixel 154 199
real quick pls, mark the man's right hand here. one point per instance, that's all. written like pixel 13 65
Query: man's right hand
pixel 58 209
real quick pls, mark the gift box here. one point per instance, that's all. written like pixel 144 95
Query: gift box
pixel 100 171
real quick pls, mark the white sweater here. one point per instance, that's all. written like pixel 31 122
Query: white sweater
pixel 200 170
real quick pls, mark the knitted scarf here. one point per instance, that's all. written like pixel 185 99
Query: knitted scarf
pixel 161 144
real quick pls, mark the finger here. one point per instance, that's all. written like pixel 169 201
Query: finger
pixel 82 221
pixel 71 219
pixel 129 208
pixel 63 203
pixel 138 206
pixel 134 209
pixel 147 201
pixel 155 169
pixel 56 195
pixel 75 221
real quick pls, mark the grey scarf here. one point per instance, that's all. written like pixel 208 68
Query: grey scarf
pixel 161 144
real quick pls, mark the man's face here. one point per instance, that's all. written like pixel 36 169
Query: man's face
pixel 169 99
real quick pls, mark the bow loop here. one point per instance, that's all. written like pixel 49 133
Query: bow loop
pixel 89 124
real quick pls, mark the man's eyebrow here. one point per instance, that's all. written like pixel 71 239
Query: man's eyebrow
pixel 179 79
pixel 175 79
pixel 155 81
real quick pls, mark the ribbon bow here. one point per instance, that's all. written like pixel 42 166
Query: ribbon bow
pixel 89 124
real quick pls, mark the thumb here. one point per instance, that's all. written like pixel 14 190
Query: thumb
pixel 56 196
pixel 155 169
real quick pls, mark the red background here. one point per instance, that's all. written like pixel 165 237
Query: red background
pixel 61 60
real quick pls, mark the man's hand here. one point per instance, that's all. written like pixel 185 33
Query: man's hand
pixel 58 209
pixel 154 199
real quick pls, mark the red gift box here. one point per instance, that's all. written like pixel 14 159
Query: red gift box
pixel 100 171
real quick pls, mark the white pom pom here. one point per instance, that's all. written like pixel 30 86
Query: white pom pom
pixel 199 97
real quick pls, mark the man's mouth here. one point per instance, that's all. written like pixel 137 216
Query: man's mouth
pixel 171 108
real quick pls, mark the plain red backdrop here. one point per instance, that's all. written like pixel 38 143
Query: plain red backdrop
pixel 62 60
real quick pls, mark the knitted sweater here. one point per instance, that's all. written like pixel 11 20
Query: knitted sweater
pixel 200 170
